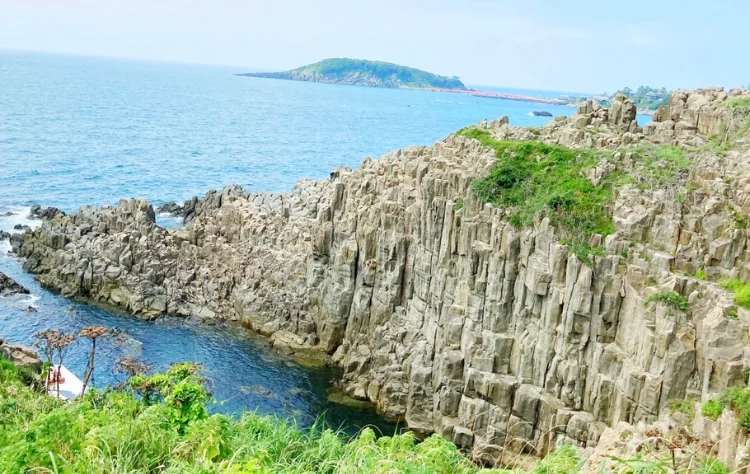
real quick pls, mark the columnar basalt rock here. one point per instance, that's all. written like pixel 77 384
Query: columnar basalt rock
pixel 437 309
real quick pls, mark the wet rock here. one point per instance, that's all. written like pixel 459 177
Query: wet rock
pixel 171 208
pixel 21 356
pixel 38 212
pixel 541 113
pixel 8 286
pixel 21 227
pixel 8 214
pixel 4 235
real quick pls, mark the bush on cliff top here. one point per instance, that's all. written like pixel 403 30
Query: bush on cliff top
pixel 535 179
pixel 158 424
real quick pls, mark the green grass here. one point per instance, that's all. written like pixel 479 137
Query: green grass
pixel 159 424
pixel 535 179
pixel 660 165
pixel 736 398
pixel 458 205
pixel 722 142
pixel 740 104
pixel 671 299
pixel 682 406
pixel 700 274
pixel 741 291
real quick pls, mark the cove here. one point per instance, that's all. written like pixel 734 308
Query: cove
pixel 244 372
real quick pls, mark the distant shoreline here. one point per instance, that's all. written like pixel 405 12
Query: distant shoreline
pixel 504 95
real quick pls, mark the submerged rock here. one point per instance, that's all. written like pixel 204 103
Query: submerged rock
pixel 446 315
pixel 541 113
pixel 8 286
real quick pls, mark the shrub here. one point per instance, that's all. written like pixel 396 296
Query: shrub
pixel 535 179
pixel 669 298
pixel 712 409
pixel 737 398
pixel 127 431
pixel 700 274
pixel 741 291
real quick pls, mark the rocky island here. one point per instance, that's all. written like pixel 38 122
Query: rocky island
pixel 359 72
pixel 510 289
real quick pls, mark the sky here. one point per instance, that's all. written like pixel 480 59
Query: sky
pixel 574 45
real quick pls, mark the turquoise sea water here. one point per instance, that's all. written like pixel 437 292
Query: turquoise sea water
pixel 80 130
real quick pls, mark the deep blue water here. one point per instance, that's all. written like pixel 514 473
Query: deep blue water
pixel 80 130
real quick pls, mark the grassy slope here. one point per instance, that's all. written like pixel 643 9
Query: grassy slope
pixel 159 424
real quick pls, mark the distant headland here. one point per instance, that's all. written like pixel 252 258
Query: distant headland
pixel 359 72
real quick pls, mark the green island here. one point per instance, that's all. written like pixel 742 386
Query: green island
pixel 359 72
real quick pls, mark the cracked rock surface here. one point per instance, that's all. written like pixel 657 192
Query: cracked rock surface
pixel 437 309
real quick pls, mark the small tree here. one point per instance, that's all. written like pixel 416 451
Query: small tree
pixel 92 333
pixel 61 346
pixel 54 342
pixel 44 342
pixel 130 367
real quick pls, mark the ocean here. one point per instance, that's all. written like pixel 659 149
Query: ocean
pixel 88 131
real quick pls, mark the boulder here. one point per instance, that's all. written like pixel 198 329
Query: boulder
pixel 9 287
pixel 21 356
pixel 171 208
pixel 38 212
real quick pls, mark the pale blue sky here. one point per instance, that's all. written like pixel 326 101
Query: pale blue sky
pixel 575 45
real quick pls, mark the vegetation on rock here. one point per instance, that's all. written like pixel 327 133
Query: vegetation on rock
pixel 741 291
pixel 160 423
pixel 536 179
pixel 671 299
pixel 365 73
pixel 736 398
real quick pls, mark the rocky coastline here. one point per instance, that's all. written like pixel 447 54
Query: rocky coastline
pixel 439 310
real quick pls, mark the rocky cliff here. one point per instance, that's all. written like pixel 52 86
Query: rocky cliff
pixel 437 308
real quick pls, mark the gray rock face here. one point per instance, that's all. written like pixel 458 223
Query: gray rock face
pixel 8 286
pixel 21 356
pixel 446 315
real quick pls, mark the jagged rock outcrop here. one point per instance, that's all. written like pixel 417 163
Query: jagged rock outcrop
pixel 9 287
pixel 21 356
pixel 38 212
pixel 437 309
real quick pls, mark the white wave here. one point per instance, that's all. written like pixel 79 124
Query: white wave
pixel 19 215
pixel 29 300
pixel 4 247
